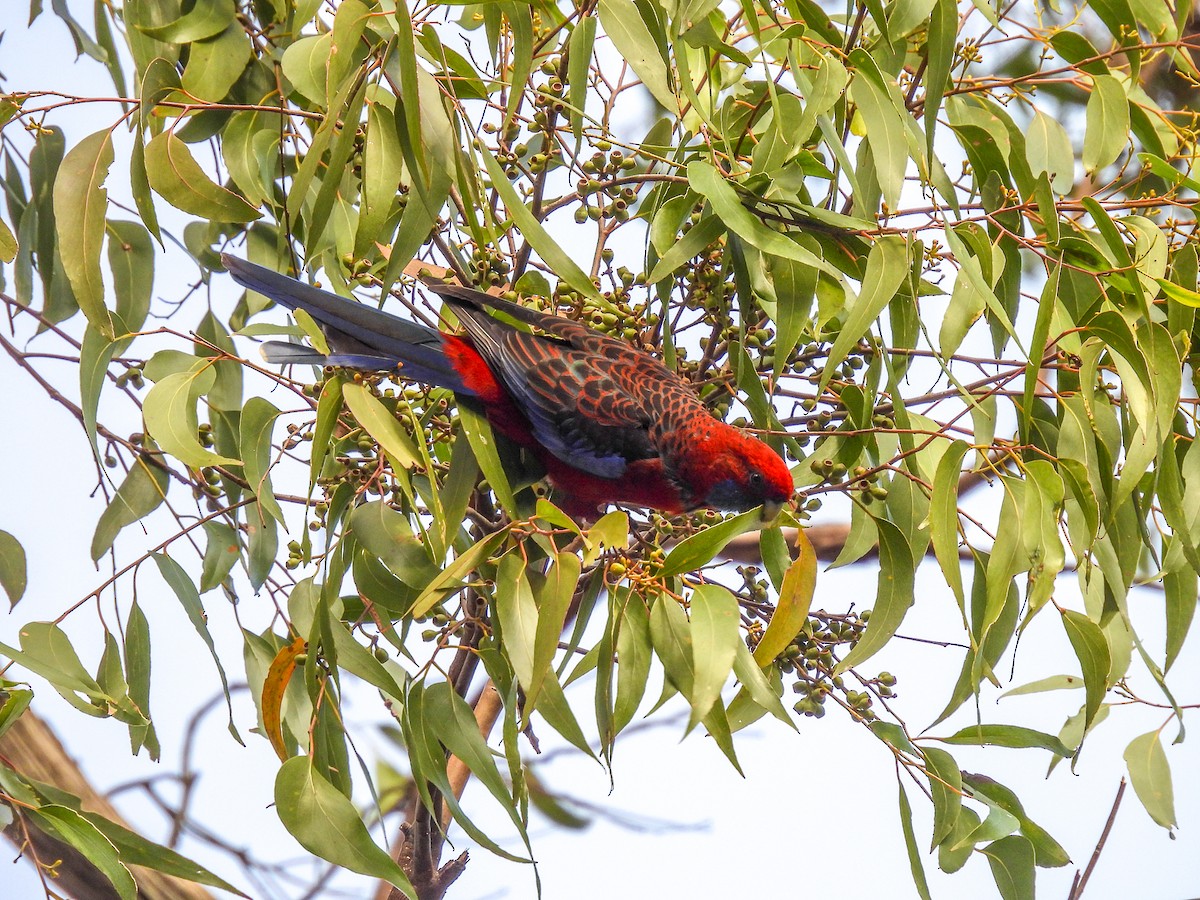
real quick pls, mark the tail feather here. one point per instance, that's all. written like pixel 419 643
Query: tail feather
pixel 281 353
pixel 360 336
pixel 458 296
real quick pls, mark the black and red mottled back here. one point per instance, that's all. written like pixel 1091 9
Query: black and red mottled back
pixel 600 404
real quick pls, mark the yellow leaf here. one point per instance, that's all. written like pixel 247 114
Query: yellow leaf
pixel 795 598
pixel 278 676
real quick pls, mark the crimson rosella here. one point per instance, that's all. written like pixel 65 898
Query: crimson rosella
pixel 608 422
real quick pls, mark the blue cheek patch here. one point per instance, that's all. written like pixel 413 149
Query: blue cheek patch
pixel 728 494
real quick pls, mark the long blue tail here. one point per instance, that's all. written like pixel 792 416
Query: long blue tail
pixel 360 336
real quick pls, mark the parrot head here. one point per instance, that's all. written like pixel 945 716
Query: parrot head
pixel 742 473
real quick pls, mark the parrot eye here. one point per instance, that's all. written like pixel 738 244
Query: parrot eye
pixel 756 479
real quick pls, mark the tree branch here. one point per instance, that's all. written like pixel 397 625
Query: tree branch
pixel 1081 881
pixel 30 748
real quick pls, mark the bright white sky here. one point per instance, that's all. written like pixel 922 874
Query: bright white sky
pixel 816 814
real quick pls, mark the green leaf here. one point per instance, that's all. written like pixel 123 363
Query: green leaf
pixel 672 641
pixel 715 637
pixel 1047 305
pixel 135 850
pixel 204 20
pixel 263 544
pixel 170 413
pixel 326 823
pixel 215 64
pixel 1168 172
pixel 551 252
pixel 940 60
pixel 945 784
pixel 482 441
pixel 1107 131
pixel 791 609
pixel 1012 859
pixel 423 724
pixel 179 582
pixel 13 575
pixel 943 516
pixel 15 702
pixel 46 650
pixel 895 736
pixel 142 491
pixel 349 23
pixel 225 396
pixel 998 824
pixel 42 239
pixel 756 686
pixel 8 243
pixel 111 676
pixel 626 26
pixel 520 54
pixel 1008 555
pixel 885 129
pixel 1048 852
pixel 777 557
pixel 1075 48
pixel 386 534
pixel 1178 293
pixel 358 660
pixel 794 286
pixel 698 549
pixel 304 65
pixel 553 602
pixel 1050 683
pixel 893 598
pixel 159 80
pixel 1048 150
pixel 726 203
pixel 72 828
pixel 1014 736
pixel 383 162
pixel 518 615
pixel 139 185
pixel 254 444
pixel 250 148
pixel 633 656
pixel 887 267
pixel 579 59
pixel 1180 592
pixel 80 203
pixel 329 406
pixel 458 730
pixel 957 848
pixel 716 723
pixel 431 152
pixel 1150 774
pixel 611 532
pixel 137 677
pixel 1091 648
pixel 452 578
pixel 131 259
pixel 910 843
pixel 177 178
pixel 704 233
pixel 341 144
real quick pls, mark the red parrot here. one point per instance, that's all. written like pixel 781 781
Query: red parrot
pixel 610 423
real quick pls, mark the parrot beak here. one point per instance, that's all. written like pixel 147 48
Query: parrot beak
pixel 770 511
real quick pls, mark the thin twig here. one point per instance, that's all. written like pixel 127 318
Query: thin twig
pixel 1081 881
